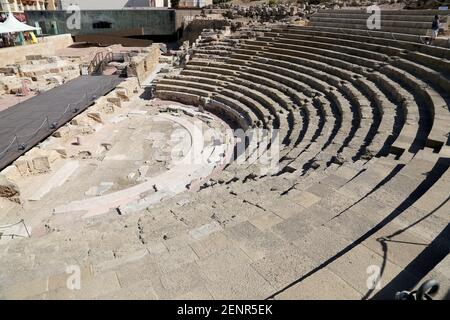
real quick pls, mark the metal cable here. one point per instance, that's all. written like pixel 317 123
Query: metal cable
pixel 36 131
pixel 9 146
pixel 14 224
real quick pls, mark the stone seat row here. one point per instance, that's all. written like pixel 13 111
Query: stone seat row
pixel 361 136
pixel 384 16
pixel 411 116
pixel 352 106
pixel 350 77
pixel 354 25
pixel 401 13
pixel 307 114
pixel 384 23
pixel 434 96
pixel 435 62
pixel 339 69
pixel 273 89
pixel 252 98
pixel 412 22
pixel 378 35
pixel 342 136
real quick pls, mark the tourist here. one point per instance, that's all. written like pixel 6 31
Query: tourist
pixel 8 38
pixel 26 37
pixel 434 29
pixel 33 38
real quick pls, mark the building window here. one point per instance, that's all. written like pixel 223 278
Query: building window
pixel 102 25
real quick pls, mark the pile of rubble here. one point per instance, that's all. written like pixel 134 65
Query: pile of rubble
pixel 38 73
pixel 424 4
pixel 290 12
pixel 266 13
pixel 43 158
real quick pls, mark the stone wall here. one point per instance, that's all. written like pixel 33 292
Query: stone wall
pixel 143 64
pixel 185 15
pixel 40 73
pixel 154 22
pixel 47 46
pixel 100 4
pixel 193 30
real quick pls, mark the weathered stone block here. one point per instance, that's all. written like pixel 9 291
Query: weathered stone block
pixel 108 108
pixel 95 116
pixel 9 189
pixel 115 101
pixel 123 94
pixel 41 164
pixel 61 132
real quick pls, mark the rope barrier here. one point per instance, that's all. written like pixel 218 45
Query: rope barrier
pixel 36 131
pixel 12 225
pixel 65 111
pixel 9 146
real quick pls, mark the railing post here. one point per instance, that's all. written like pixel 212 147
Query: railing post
pixel 26 229
pixel 17 142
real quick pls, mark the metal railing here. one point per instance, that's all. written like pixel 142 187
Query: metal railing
pixel 101 60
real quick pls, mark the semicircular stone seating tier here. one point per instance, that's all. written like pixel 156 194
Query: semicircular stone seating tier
pixel 362 118
pixel 362 177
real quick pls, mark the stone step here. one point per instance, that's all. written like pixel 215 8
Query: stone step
pixel 384 16
pixel 386 12
pixel 340 103
pixel 256 108
pixel 418 30
pixel 411 82
pixel 399 39
pixel 215 107
pixel 422 65
pixel 352 93
pixel 383 39
pixel 362 22
pixel 293 132
pixel 271 88
pixel 269 104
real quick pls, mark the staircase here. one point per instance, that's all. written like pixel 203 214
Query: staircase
pixel 99 65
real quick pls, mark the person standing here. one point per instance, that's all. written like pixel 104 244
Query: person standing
pixel 434 28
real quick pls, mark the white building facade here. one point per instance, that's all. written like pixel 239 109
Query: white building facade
pixel 114 4
pixel 22 5
pixel 124 4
